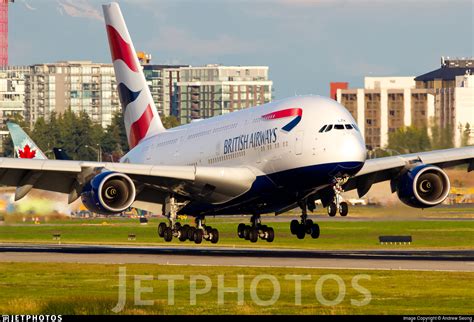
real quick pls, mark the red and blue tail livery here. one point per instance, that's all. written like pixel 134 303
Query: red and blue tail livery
pixel 140 114
pixel 297 113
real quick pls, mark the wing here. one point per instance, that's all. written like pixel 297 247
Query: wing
pixel 383 169
pixel 153 182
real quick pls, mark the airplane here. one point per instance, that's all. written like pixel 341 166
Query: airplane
pixel 272 158
pixel 24 147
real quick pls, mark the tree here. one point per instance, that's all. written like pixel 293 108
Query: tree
pixel 442 137
pixel 114 141
pixel 170 121
pixel 409 140
pixel 465 135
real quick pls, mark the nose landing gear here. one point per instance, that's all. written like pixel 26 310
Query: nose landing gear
pixel 338 204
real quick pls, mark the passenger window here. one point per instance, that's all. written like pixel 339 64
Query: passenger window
pixel 339 127
pixel 329 128
pixel 322 129
pixel 349 127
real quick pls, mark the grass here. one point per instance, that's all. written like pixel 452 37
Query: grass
pixel 335 234
pixel 93 289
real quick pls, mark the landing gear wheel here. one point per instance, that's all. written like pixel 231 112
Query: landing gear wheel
pixel 270 234
pixel 343 209
pixel 183 233
pixel 301 232
pixel 247 230
pixel 309 226
pixel 198 236
pixel 253 235
pixel 191 231
pixel 240 230
pixel 315 231
pixel 332 209
pixel 177 225
pixel 294 226
pixel 214 236
pixel 208 230
pixel 161 229
pixel 168 234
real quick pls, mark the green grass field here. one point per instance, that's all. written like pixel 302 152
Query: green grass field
pixel 336 234
pixel 93 289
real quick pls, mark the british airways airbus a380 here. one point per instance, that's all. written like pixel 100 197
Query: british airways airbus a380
pixel 265 159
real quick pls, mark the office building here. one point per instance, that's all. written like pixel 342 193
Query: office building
pixel 212 90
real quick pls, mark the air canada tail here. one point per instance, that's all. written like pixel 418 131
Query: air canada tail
pixel 24 146
pixel 140 114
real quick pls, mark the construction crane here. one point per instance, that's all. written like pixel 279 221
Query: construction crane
pixel 4 32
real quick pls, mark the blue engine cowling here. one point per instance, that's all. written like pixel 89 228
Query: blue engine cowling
pixel 423 186
pixel 109 193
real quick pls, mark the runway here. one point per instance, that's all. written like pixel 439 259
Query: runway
pixel 427 260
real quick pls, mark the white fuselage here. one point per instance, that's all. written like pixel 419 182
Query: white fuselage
pixel 244 138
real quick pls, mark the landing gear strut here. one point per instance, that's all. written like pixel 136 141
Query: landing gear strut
pixel 338 204
pixel 305 226
pixel 255 230
pixel 175 230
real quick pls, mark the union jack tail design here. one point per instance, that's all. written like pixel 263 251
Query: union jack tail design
pixel 140 114
pixel 295 113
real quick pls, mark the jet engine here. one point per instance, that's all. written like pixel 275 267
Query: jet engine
pixel 423 186
pixel 109 193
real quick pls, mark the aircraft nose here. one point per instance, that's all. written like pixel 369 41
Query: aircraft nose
pixel 353 148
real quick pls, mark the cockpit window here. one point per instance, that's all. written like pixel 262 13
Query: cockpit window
pixel 329 128
pixel 323 128
pixel 356 127
pixel 349 127
pixel 339 127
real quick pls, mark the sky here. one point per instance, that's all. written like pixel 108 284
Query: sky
pixel 306 43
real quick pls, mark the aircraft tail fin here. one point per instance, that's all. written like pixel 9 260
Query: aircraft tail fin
pixel 24 146
pixel 140 114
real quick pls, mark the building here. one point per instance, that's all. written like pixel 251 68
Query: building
pixel 453 87
pixel 386 104
pixel 212 90
pixel 443 97
pixel 12 93
pixel 12 96
pixel 334 86
pixel 81 86
pixel 161 80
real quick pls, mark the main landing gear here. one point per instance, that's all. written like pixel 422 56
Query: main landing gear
pixel 255 230
pixel 338 204
pixel 186 232
pixel 305 226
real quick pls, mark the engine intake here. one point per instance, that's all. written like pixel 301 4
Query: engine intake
pixel 109 193
pixel 423 186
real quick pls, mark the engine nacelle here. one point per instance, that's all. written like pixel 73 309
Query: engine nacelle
pixel 423 186
pixel 109 193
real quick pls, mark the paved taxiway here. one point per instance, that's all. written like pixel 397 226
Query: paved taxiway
pixel 462 260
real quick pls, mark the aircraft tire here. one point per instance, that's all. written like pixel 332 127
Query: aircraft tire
pixel 161 229
pixel 168 234
pixel 343 209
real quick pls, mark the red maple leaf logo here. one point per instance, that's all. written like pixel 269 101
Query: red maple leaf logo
pixel 26 153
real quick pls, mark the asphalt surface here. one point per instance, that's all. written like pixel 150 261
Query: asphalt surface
pixel 428 260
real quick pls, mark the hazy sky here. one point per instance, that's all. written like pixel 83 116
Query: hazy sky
pixel 306 43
